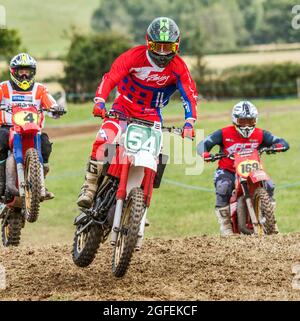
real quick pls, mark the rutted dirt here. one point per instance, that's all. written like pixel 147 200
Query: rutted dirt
pixel 194 268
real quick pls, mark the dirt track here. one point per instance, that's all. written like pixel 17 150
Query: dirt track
pixel 195 268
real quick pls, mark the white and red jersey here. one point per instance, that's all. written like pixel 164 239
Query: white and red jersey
pixel 144 87
pixel 231 141
pixel 38 96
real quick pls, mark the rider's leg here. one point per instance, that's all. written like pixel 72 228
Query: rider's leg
pixel 4 148
pixel 224 184
pixel 108 133
pixel 46 147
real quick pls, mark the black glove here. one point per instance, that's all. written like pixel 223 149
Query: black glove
pixel 275 148
pixel 58 110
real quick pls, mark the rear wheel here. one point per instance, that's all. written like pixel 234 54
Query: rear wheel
pixel 264 210
pixel 11 228
pixel 32 185
pixel 128 234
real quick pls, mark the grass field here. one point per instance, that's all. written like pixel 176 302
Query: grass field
pixel 44 37
pixel 176 210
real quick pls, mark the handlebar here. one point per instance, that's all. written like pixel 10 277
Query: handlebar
pixel 57 112
pixel 130 120
pixel 52 110
pixel 268 150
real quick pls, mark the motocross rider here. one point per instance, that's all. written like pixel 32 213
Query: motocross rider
pixel 22 89
pixel 243 134
pixel 146 76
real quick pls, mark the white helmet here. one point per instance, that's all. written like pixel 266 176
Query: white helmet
pixel 19 62
pixel 244 117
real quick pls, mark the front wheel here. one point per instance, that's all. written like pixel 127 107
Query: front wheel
pixel 11 228
pixel 242 216
pixel 264 210
pixel 127 237
pixel 32 185
pixel 86 244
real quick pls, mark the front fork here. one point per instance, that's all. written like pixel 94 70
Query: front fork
pixel 121 195
pixel 256 224
pixel 19 159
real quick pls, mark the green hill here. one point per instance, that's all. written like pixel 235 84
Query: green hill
pixel 42 24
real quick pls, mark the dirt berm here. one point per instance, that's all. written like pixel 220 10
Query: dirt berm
pixel 194 268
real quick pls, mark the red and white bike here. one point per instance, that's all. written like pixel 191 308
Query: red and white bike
pixel 123 196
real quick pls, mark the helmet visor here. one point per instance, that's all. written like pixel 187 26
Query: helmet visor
pixel 163 48
pixel 24 73
pixel 246 122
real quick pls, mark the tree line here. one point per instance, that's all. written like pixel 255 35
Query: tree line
pixel 214 25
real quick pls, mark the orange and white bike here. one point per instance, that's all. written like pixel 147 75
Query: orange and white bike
pixel 25 187
pixel 251 207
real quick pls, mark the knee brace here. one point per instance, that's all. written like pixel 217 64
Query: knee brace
pixel 4 143
pixel 270 187
pixel 109 133
pixel 224 189
pixel 46 147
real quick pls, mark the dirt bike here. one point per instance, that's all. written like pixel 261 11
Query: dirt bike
pixel 134 166
pixel 25 187
pixel 251 208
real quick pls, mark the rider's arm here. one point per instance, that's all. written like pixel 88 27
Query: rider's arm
pixel 47 101
pixel 187 89
pixel 119 69
pixel 210 141
pixel 269 140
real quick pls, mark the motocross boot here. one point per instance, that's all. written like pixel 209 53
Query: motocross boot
pixel 2 177
pixel 223 215
pixel 89 187
pixel 48 195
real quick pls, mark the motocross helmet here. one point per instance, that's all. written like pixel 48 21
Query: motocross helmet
pixel 162 40
pixel 244 117
pixel 23 70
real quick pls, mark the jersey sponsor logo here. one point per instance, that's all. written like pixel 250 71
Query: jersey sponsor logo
pixel 238 147
pixel 160 80
pixel 143 73
pixel 22 98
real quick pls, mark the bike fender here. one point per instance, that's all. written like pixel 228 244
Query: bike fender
pixel 145 159
pixel 135 177
pixel 258 176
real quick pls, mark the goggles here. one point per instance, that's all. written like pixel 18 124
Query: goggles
pixel 163 48
pixel 27 73
pixel 246 122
